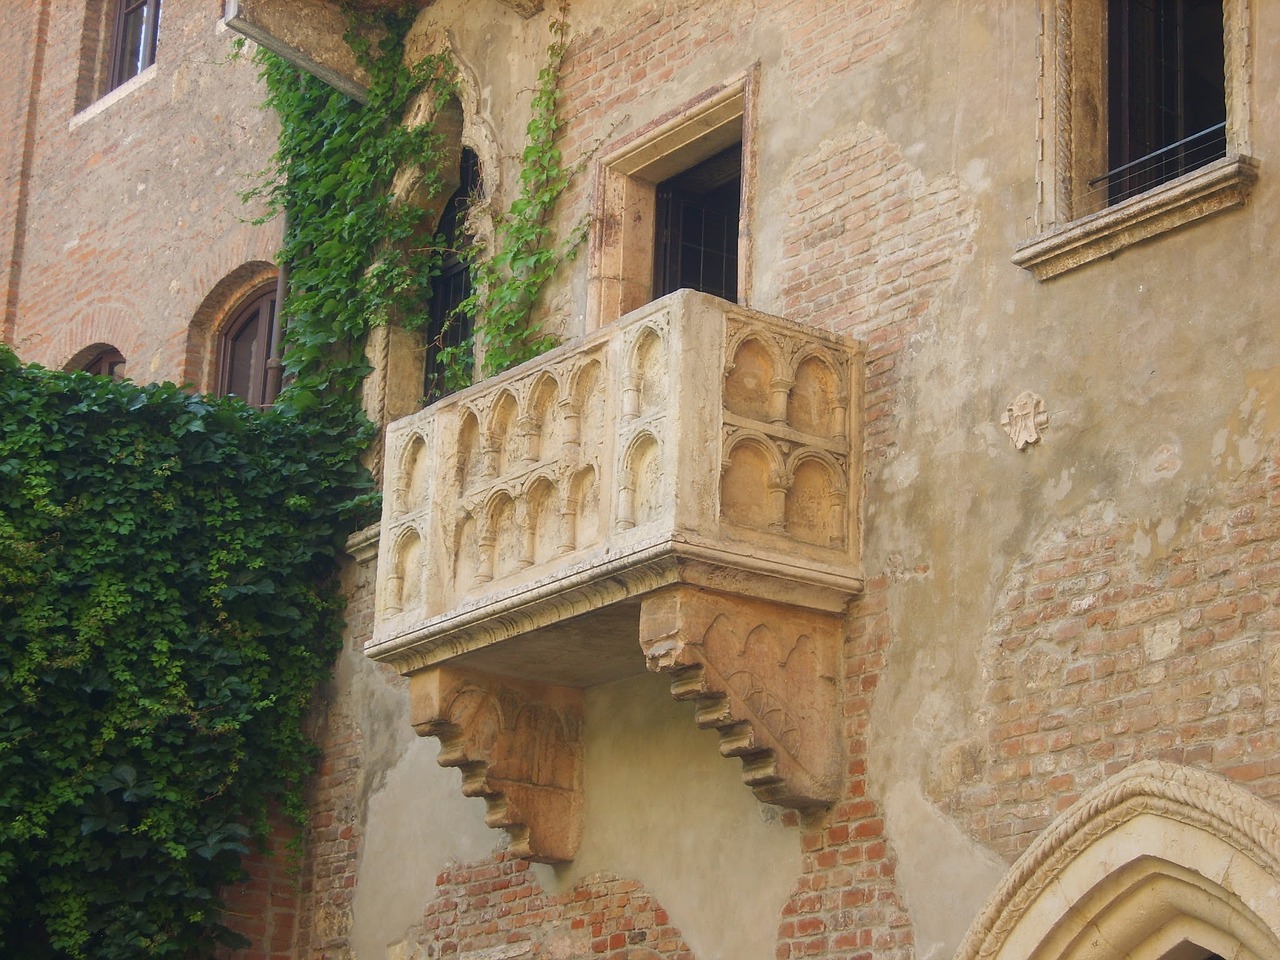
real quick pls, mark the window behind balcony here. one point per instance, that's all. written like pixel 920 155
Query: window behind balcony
pixel 696 244
pixel 447 326
pixel 1165 90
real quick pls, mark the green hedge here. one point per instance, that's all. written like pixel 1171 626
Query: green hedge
pixel 168 605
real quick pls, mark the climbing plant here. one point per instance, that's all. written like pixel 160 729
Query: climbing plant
pixel 167 594
pixel 358 258
pixel 167 607
pixel 509 279
pixel 347 243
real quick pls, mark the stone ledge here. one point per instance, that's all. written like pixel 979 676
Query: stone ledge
pixel 1218 186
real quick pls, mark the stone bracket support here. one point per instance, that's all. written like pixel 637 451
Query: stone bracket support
pixel 762 673
pixel 518 745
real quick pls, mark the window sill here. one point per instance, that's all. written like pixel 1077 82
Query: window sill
pixel 119 93
pixel 1217 186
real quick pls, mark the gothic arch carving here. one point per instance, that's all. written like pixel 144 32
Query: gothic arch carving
pixel 814 398
pixel 1158 861
pixel 411 490
pixel 749 378
pixel 752 489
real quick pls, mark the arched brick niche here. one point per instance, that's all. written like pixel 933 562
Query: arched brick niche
pixel 1160 862
pixel 214 311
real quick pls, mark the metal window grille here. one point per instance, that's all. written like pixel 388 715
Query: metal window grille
pixel 447 326
pixel 696 242
pixel 1166 92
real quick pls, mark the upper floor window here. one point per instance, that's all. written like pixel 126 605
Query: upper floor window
pixel 447 326
pixel 672 205
pixel 137 27
pixel 1144 124
pixel 247 347
pixel 1166 92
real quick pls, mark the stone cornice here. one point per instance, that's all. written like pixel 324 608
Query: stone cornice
pixel 1210 189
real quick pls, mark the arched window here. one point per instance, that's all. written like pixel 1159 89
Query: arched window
pixel 107 362
pixel 1159 862
pixel 446 326
pixel 246 346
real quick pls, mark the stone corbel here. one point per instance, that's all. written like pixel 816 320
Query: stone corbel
pixel 762 673
pixel 518 745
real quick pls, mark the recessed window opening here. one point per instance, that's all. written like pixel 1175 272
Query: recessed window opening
pixel 447 326
pixel 1190 951
pixel 106 363
pixel 672 206
pixel 245 368
pixel 137 28
pixel 696 243
pixel 1166 84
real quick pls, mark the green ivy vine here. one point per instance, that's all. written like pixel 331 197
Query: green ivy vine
pixel 507 284
pixel 355 254
pixel 167 561
pixel 167 608
pixel 347 241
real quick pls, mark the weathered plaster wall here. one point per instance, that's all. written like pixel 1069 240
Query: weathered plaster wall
pixel 673 815
pixel 1033 619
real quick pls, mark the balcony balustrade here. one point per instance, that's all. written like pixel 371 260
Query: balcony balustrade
pixel 679 489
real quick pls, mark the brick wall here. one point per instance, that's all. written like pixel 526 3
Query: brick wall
pixel 134 211
pixel 847 902
pixel 873 244
pixel 265 908
pixel 1099 657
pixel 500 903
pixel 22 23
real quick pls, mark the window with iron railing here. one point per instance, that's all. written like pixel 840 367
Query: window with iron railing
pixel 1166 93
pixel 1145 124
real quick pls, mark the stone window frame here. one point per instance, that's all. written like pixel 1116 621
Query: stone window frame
pixel 1159 862
pixel 621 259
pixel 99 53
pixel 1072 147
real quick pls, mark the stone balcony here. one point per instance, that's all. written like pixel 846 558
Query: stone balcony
pixel 679 489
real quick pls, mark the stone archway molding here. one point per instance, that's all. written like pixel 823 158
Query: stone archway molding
pixel 1159 861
